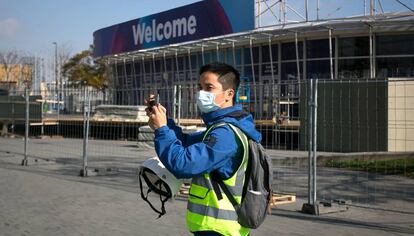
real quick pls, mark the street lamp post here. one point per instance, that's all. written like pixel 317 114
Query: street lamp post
pixel 57 87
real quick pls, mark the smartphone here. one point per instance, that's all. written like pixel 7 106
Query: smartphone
pixel 153 102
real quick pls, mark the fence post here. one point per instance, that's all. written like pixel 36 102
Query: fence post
pixel 179 106
pixel 311 206
pixel 13 117
pixel 86 113
pixel 26 130
pixel 314 135
pixel 58 114
pixel 174 106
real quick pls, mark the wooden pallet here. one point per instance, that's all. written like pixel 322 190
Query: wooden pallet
pixel 279 199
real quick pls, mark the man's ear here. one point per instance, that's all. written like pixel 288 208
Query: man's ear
pixel 230 94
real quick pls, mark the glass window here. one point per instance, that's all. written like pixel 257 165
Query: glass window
pixel 238 52
pixel 320 69
pixel 137 68
pixel 353 68
pixel 267 69
pixel 193 59
pixel 200 60
pixel 169 64
pixel 247 56
pixel 395 67
pixel 207 57
pixel 229 56
pixel 319 48
pixel 128 69
pixel 213 56
pixel 290 71
pixel 148 67
pixel 137 82
pixel 120 81
pixel 120 69
pixel 266 53
pixel 248 72
pixel 158 66
pixel 221 55
pixel 395 44
pixel 289 51
pixel 351 47
pixel 181 63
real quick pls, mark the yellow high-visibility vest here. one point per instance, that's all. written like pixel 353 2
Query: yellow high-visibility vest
pixel 204 211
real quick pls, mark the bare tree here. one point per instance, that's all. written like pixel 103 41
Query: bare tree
pixel 63 55
pixel 27 72
pixel 8 62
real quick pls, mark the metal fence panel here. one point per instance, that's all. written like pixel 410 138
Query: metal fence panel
pixel 361 125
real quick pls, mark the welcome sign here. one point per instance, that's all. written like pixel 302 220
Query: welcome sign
pixel 199 20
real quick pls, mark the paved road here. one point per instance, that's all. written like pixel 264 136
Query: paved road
pixel 48 198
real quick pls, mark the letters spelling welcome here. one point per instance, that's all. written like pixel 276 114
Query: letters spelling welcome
pixel 178 28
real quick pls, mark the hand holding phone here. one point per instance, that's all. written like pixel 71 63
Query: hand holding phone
pixel 152 103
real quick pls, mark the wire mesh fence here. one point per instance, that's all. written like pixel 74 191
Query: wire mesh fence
pixel 365 132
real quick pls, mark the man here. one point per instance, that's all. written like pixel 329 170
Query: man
pixel 217 153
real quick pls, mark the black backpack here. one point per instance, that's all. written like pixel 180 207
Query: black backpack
pixel 257 189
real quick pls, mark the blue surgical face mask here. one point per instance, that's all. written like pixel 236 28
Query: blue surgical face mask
pixel 206 101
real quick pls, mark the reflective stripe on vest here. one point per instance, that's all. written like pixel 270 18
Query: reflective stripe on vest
pixel 204 210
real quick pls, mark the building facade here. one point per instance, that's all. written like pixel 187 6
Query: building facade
pixel 273 62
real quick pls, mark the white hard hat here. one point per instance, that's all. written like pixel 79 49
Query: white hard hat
pixel 158 180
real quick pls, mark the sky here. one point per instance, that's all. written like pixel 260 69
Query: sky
pixel 31 26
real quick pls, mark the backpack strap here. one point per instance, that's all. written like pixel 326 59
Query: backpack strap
pixel 245 142
pixel 216 181
pixel 213 127
pixel 214 184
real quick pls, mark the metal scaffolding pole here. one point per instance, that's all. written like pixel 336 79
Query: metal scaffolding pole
pixel 217 52
pixel 234 53
pixel 190 68
pixel 317 10
pixel 134 79
pixel 306 11
pixel 297 56
pixel 371 54
pixel 258 14
pixel 153 85
pixel 144 75
pixel 153 82
pixel 330 54
pixel 177 93
pixel 253 76
pixel 202 54
pixel 273 75
pixel 125 86
pixel 177 73
pixel 166 77
pixel 193 85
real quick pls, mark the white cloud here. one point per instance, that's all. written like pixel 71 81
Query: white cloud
pixel 9 28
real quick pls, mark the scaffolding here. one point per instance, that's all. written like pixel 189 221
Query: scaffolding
pixel 164 68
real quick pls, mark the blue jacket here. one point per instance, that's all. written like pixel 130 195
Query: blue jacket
pixel 187 155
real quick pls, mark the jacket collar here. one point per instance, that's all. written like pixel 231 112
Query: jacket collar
pixel 214 116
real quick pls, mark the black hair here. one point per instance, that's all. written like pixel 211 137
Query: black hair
pixel 228 76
